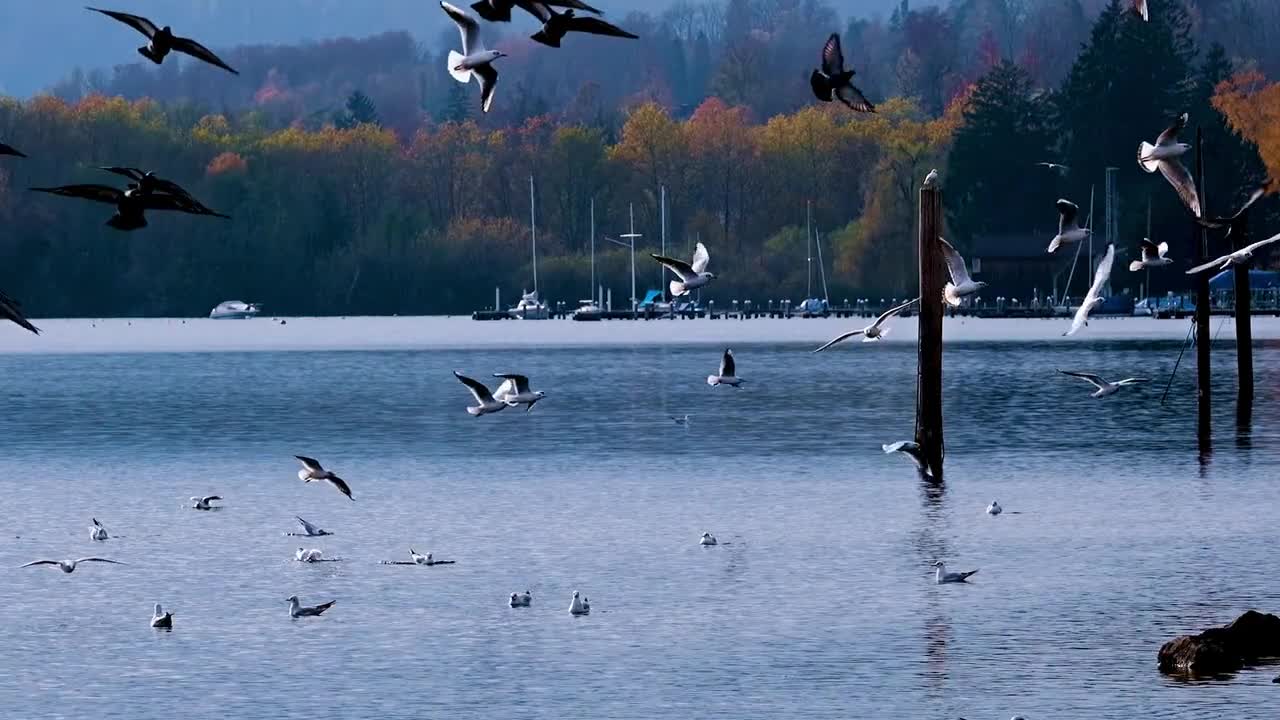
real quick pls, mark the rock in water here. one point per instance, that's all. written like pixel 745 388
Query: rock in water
pixel 1250 637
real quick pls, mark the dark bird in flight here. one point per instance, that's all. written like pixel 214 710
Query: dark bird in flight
pixel 500 10
pixel 150 183
pixel 10 150
pixel 833 79
pixel 556 25
pixel 162 41
pixel 11 310
pixel 130 204
pixel 1234 222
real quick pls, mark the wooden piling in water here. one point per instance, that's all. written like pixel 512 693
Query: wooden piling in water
pixel 1200 242
pixel 929 367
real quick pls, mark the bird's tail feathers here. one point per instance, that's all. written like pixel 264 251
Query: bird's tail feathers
pixel 678 289
pixel 713 380
pixel 473 411
pixel 455 59
pixel 950 296
pixel 1144 157
pixel 546 39
pixel 149 54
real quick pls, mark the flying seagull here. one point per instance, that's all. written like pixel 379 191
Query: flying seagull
pixel 203 503
pixel 1069 230
pixel 1164 156
pixel 1105 388
pixel 873 331
pixel 728 372
pixel 161 41
pixel 11 310
pixel 911 450
pixel 1094 299
pixel 707 540
pixel 1062 169
pixel 577 606
pixel 1239 257
pixel 692 275
pixel 69 566
pixel 296 610
pixel 1233 223
pixel 474 59
pixel 961 284
pixel 994 508
pixel 486 402
pixel 97 531
pixel 500 10
pixel 942 576
pixel 1153 256
pixel 130 204
pixel 312 472
pixel 309 530
pixel 833 80
pixel 556 25
pixel 10 150
pixel 162 620
pixel 518 391
pixel 150 183
pixel 518 600
pixel 1140 8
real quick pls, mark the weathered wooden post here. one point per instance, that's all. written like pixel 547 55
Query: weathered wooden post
pixel 1244 322
pixel 1200 241
pixel 929 368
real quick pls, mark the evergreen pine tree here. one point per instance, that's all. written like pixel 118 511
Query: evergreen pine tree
pixel 360 110
pixel 458 109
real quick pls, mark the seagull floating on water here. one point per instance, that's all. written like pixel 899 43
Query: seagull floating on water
pixel 161 619
pixel 994 508
pixel 872 332
pixel 309 556
pixel 681 420
pixel 1164 156
pixel 1234 222
pixel 161 41
pixel 312 472
pixel 97 531
pixel 708 539
pixel 474 58
pixel 517 391
pixel 296 609
pixel 203 503
pixel 942 576
pixel 577 606
pixel 518 600
pixel 69 566
pixel 728 372
pixel 1153 256
pixel 1094 299
pixel 692 275
pixel 555 25
pixel 309 530
pixel 1069 230
pixel 832 80
pixel 961 284
pixel 1240 257
pixel 912 450
pixel 417 558
pixel 486 403
pixel 1105 388
pixel 11 310
pixel 500 10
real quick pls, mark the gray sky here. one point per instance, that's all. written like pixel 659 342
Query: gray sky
pixel 42 41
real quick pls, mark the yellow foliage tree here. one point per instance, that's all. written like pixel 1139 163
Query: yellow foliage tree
pixel 1252 106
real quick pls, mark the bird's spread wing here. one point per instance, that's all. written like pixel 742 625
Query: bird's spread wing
pixel 210 498
pixel 832 56
pixel 1096 380
pixel 39 562
pixel 701 258
pixel 137 22
pixel 679 267
pixel 955 263
pixel 98 193
pixel 488 75
pixel 98 559
pixel 311 529
pixel 1140 7
pixel 1211 264
pixel 1149 249
pixel 1067 211
pixel 539 10
pixel 1170 135
pixel 573 4
pixel 1176 173
pixel 840 339
pixel 133 174
pixel 596 26
pixel 310 464
pixel 480 392
pixel 10 150
pixel 894 311
pixel 200 52
pixel 1103 274
pixel 11 310
pixel 521 381
pixel 1253 198
pixel 727 365
pixel 468 28
pixel 1262 243
pixel 341 484
pixel 853 97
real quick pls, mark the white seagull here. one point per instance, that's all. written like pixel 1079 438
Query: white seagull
pixel 474 58
pixel 682 420
pixel 1062 169
pixel 519 392
pixel 692 275
pixel 1094 299
pixel 942 576
pixel 912 450
pixel 313 472
pixel 931 180
pixel 728 373
pixel 872 332
pixel 97 531
pixel 1069 230
pixel 161 619
pixel 486 403
pixel 69 566
pixel 518 600
pixel 1153 256
pixel 708 539
pixel 1164 156
pixel 961 284
pixel 296 610
pixel 204 503
pixel 577 606
pixel 1239 257
pixel 994 508
pixel 308 556
pixel 309 530
pixel 1105 388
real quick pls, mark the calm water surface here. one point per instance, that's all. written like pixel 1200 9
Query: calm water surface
pixel 819 603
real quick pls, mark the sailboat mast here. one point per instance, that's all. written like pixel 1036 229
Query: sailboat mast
pixel 662 214
pixel 822 268
pixel 533 232
pixel 808 245
pixel 593 247
pixel 631 211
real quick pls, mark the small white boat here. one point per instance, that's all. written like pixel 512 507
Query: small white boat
pixel 530 307
pixel 588 311
pixel 235 310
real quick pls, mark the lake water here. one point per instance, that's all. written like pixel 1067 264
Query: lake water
pixel 820 603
